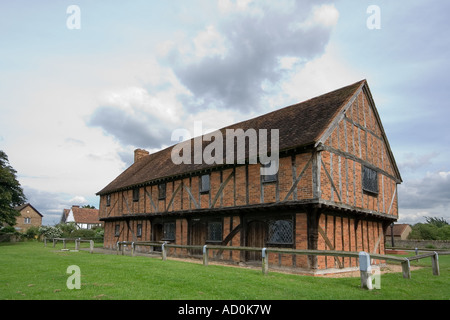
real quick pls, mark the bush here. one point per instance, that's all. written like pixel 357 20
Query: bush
pixel 50 232
pixel 31 233
pixel 8 229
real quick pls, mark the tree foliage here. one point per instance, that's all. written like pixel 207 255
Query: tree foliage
pixel 433 229
pixel 11 193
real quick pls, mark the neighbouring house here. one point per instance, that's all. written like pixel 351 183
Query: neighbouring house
pixel 84 218
pixel 29 217
pixel 400 232
pixel 335 188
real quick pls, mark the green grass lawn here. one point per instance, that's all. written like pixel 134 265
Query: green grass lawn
pixel 30 271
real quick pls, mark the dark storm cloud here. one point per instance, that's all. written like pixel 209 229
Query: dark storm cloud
pixel 254 45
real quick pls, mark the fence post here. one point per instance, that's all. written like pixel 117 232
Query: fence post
pixel 54 242
pixel 365 270
pixel 435 264
pixel 118 247
pixel 76 244
pixel 406 269
pixel 205 255
pixel 265 261
pixel 132 249
pixel 163 250
pixel 91 246
pixel 45 242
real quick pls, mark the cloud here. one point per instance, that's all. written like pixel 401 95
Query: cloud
pixel 51 204
pixel 228 65
pixel 430 192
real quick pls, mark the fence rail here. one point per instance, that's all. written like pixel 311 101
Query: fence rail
pixel 76 240
pixel 405 261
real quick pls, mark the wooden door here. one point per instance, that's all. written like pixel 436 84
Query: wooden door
pixel 198 236
pixel 157 234
pixel 256 237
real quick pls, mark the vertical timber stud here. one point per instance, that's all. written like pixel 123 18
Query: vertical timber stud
pixel 365 270
pixel 313 215
pixel 205 255
pixel 265 261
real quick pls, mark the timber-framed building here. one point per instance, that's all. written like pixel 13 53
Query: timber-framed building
pixel 336 189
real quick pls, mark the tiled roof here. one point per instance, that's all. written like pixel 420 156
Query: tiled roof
pixel 85 215
pixel 299 125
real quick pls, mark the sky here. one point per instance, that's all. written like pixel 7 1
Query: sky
pixel 85 83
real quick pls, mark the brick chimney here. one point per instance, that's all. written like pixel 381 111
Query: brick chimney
pixel 139 154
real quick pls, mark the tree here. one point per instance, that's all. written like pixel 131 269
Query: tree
pixel 11 193
pixel 436 221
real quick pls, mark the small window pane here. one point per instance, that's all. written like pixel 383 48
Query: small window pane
pixel 205 183
pixel 162 191
pixel 136 195
pixel 108 200
pixel 117 230
pixel 139 230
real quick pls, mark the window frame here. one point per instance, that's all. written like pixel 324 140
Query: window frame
pixel 162 191
pixel 209 223
pixel 139 230
pixel 371 175
pixel 166 235
pixel 205 188
pixel 117 230
pixel 136 195
pixel 108 200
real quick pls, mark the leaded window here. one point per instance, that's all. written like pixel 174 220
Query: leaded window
pixel 136 195
pixel 214 231
pixel 169 231
pixel 139 230
pixel 280 232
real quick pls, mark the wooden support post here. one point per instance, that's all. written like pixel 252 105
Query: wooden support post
pixel 45 242
pixel 91 246
pixel 132 249
pixel 406 269
pixel 117 247
pixel 164 253
pixel 205 255
pixel 265 261
pixel 365 270
pixel 64 243
pixel 54 242
pixel 435 264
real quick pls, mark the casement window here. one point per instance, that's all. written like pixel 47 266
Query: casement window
pixel 139 230
pixel 370 180
pixel 117 230
pixel 169 231
pixel 214 231
pixel 161 191
pixel 268 177
pixel 27 220
pixel 280 232
pixel 205 185
pixel 108 200
pixel 136 195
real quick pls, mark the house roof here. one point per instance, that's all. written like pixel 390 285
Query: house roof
pixel 83 215
pixel 399 229
pixel 23 206
pixel 299 125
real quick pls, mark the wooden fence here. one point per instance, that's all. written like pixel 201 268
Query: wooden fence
pixel 77 242
pixel 405 261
